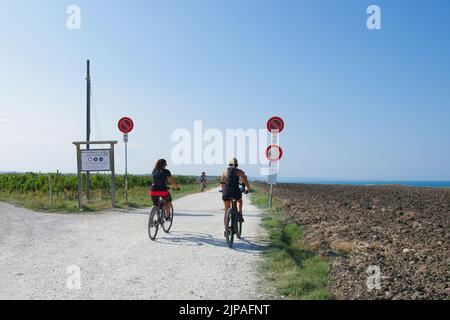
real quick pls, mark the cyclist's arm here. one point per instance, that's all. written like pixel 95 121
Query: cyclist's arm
pixel 173 182
pixel 222 181
pixel 242 175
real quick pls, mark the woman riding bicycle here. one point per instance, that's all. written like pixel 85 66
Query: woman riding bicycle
pixel 231 189
pixel 161 177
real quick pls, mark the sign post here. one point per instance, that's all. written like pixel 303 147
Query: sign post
pixel 91 160
pixel 126 125
pixel 274 153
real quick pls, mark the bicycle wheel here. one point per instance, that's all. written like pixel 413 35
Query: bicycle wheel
pixel 153 223
pixel 230 231
pixel 167 224
pixel 239 230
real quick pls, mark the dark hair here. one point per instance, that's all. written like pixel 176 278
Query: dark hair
pixel 160 164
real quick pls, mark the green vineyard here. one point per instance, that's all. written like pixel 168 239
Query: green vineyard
pixel 36 182
pixel 32 190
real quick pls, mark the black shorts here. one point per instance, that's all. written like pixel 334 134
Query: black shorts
pixel 228 196
pixel 166 198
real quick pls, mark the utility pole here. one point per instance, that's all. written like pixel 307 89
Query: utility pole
pixel 88 126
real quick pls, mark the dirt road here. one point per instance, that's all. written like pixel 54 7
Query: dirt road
pixel 117 260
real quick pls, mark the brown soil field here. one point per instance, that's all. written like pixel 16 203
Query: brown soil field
pixel 405 231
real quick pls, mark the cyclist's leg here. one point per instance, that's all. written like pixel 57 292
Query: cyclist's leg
pixel 227 204
pixel 155 201
pixel 168 204
pixel 240 207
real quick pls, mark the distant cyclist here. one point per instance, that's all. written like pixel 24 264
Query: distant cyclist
pixel 231 188
pixel 161 178
pixel 203 181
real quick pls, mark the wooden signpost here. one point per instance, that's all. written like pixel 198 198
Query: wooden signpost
pixel 95 160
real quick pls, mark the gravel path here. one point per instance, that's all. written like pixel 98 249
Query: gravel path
pixel 118 261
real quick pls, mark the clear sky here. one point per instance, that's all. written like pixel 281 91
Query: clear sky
pixel 358 103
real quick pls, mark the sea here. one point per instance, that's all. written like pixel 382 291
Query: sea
pixel 408 183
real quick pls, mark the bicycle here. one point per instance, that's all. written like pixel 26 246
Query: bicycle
pixel 234 226
pixel 202 186
pixel 158 215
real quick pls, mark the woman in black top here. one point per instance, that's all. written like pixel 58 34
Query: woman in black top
pixel 161 178
pixel 231 188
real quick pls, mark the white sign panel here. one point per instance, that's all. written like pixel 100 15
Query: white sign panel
pixel 273 173
pixel 272 179
pixel 95 160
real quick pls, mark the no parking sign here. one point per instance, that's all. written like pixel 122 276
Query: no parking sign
pixel 126 125
pixel 275 125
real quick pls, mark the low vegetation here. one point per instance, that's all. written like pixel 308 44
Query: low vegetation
pixel 32 191
pixel 296 271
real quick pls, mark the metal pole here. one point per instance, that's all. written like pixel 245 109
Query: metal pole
pixel 126 172
pixel 113 177
pixel 270 196
pixel 88 125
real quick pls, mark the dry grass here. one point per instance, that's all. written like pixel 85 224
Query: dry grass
pixel 344 247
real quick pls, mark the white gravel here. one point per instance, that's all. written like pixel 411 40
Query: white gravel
pixel 118 261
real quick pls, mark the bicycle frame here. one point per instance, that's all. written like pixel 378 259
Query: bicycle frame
pixel 159 216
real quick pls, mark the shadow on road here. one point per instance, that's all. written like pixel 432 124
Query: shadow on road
pixel 183 238
pixel 193 215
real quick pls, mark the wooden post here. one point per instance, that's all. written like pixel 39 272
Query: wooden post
pixel 56 184
pixel 51 189
pixel 113 176
pixel 80 191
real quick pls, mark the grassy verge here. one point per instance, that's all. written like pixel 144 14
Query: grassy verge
pixel 100 200
pixel 295 271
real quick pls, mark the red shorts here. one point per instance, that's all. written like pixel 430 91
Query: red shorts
pixel 160 194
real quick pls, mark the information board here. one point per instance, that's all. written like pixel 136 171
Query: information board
pixel 95 160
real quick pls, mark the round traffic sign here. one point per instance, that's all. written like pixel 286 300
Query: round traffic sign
pixel 275 125
pixel 274 152
pixel 125 125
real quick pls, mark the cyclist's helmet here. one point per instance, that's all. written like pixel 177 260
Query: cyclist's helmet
pixel 234 163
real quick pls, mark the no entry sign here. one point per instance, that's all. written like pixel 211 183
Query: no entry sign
pixel 274 153
pixel 125 125
pixel 275 125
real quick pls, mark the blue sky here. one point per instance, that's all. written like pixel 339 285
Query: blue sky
pixel 358 103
